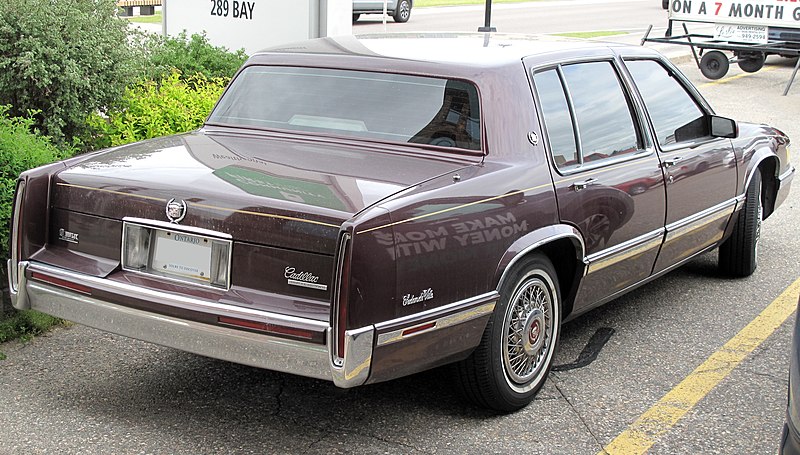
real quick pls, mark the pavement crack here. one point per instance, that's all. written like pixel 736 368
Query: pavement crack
pixel 580 417
pixel 279 397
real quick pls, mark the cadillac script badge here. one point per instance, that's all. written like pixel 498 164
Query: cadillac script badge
pixel 176 210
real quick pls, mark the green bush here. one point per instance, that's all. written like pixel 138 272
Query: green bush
pixel 152 109
pixel 191 55
pixel 20 150
pixel 64 59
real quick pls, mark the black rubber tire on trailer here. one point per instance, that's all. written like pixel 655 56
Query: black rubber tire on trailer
pixel 518 345
pixel 356 16
pixel 714 65
pixel 664 4
pixel 752 62
pixel 403 11
pixel 738 255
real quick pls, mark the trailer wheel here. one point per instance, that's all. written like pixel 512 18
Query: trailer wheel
pixel 664 4
pixel 750 63
pixel 714 65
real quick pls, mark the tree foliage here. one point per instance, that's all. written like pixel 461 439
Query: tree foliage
pixel 64 59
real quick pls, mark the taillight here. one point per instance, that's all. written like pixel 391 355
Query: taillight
pixel 339 310
pixel 16 238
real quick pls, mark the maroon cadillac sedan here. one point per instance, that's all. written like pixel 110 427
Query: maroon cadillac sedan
pixel 358 209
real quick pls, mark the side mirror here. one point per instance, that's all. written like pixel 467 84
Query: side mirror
pixel 723 127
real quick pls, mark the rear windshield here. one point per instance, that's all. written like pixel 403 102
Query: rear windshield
pixel 387 107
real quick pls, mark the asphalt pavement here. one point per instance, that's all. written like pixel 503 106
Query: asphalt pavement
pixel 78 390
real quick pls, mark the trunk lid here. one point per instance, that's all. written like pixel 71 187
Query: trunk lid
pixel 266 190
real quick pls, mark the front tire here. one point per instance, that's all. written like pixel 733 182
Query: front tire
pixel 714 65
pixel 517 349
pixel 738 256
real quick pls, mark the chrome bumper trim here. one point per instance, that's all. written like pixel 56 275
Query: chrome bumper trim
pixel 233 345
pixel 467 310
pixel 17 291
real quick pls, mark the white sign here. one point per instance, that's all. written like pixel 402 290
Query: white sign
pixel 741 33
pixel 258 24
pixel 770 13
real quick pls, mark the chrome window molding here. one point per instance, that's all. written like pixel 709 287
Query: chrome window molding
pixel 444 316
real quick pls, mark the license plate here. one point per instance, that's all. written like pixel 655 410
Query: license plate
pixel 182 255
pixel 195 255
pixel 741 33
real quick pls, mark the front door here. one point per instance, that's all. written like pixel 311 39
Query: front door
pixel 700 170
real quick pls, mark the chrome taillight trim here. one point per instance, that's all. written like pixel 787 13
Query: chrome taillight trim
pixel 344 243
pixel 16 219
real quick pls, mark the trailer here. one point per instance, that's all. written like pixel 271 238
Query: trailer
pixel 750 30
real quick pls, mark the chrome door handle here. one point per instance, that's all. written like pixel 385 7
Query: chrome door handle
pixel 671 162
pixel 578 186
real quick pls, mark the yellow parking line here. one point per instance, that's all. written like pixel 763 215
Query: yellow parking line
pixel 738 76
pixel 659 419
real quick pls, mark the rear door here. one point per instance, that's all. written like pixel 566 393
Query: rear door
pixel 608 178
pixel 700 170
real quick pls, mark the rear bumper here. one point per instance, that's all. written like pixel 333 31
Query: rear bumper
pixel 239 346
pixel 400 347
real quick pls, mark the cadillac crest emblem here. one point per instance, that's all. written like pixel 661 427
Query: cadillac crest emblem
pixel 176 210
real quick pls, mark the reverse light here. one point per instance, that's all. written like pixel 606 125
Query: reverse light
pixel 16 226
pixel 61 283
pixel 137 246
pixel 267 327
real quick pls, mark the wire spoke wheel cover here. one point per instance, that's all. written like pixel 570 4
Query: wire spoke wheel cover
pixel 529 331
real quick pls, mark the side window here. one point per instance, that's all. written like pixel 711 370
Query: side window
pixel 557 119
pixel 602 111
pixel 587 114
pixel 675 114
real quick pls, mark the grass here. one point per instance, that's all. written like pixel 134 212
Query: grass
pixel 586 35
pixel 24 325
pixel 154 19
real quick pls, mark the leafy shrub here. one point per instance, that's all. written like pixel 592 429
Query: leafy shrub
pixel 64 59
pixel 191 55
pixel 152 109
pixel 20 150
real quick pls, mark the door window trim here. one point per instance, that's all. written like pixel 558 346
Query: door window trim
pixel 635 108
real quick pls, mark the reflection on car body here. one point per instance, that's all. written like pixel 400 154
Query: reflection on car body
pixel 511 184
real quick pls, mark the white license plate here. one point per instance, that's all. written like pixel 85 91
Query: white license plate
pixel 182 255
pixel 740 33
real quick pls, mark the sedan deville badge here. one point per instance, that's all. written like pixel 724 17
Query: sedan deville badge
pixel 303 279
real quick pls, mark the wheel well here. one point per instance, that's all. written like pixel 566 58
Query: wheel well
pixel 769 187
pixel 569 269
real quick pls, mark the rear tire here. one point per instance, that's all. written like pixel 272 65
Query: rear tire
pixel 517 349
pixel 664 4
pixel 738 256
pixel 356 16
